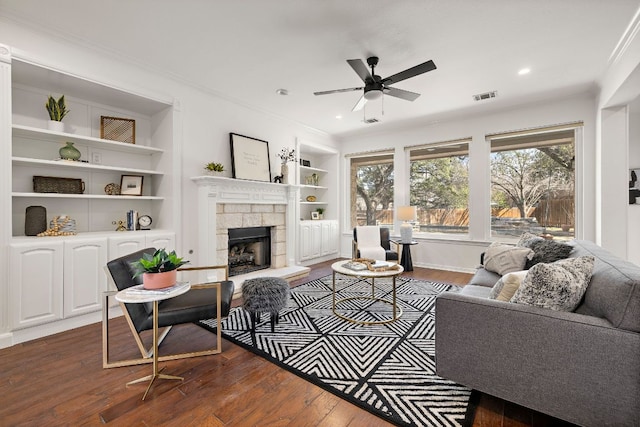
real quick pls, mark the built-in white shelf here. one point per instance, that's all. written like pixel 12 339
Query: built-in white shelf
pixel 314 203
pixel 83 196
pixel 313 186
pixel 62 137
pixel 310 169
pixel 65 164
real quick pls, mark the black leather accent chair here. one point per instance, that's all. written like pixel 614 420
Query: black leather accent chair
pixel 385 242
pixel 203 301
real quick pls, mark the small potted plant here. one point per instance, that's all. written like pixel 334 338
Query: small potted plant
pixel 320 213
pixel 158 270
pixel 57 110
pixel 214 168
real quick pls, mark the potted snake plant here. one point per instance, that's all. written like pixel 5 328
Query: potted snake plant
pixel 158 270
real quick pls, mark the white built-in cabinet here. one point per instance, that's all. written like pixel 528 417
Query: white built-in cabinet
pixel 318 189
pixel 69 278
pixel 318 238
pixel 55 279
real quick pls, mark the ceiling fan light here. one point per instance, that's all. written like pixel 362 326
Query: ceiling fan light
pixel 372 94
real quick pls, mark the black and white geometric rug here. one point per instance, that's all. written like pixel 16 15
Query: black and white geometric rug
pixel 388 369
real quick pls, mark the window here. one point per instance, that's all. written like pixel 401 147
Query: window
pixel 532 183
pixel 439 187
pixel 372 190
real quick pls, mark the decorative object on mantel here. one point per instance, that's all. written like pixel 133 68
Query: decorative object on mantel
pixel 112 189
pixel 250 158
pixel 286 155
pixel 57 110
pixel 118 129
pixel 69 152
pixel 158 270
pixel 61 225
pixel 35 221
pixel 214 169
pixel 278 179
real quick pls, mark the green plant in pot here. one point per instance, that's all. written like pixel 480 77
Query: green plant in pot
pixel 158 270
pixel 214 167
pixel 57 110
pixel 320 213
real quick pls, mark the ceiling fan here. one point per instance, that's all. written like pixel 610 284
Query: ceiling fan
pixel 375 86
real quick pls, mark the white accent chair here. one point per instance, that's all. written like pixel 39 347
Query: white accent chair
pixel 372 241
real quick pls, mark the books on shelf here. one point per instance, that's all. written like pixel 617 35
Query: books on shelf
pixel 132 220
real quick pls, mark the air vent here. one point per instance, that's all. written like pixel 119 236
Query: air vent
pixel 483 96
pixel 371 120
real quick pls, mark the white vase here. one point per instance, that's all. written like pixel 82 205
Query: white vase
pixel 55 126
pixel 284 171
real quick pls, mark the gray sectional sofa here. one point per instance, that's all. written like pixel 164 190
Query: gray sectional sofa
pixel 581 366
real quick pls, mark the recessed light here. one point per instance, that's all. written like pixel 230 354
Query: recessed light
pixel 524 71
pixel 282 92
pixel 338 117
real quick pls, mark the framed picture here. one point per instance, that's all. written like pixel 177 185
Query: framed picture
pixel 118 129
pixel 131 185
pixel 250 158
pixel 315 215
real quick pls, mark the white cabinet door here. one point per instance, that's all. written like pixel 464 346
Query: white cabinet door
pixel 84 277
pixel 161 240
pixel 316 239
pixel 325 238
pixel 305 241
pixel 125 244
pixel 35 283
pixel 332 238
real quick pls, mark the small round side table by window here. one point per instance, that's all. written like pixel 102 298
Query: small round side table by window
pixel 405 259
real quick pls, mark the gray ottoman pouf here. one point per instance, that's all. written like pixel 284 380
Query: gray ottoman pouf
pixel 264 295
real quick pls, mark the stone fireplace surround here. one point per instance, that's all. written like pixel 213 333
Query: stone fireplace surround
pixel 225 203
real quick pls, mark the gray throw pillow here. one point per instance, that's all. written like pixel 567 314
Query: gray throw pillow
pixel 526 239
pixel 503 259
pixel 548 251
pixel 558 286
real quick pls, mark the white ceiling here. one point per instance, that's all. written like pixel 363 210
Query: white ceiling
pixel 247 49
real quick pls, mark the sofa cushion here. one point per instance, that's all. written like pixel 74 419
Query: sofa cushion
pixel 507 285
pixel 557 286
pixel 547 251
pixel 484 277
pixel 503 259
pixel 526 239
pixel 614 291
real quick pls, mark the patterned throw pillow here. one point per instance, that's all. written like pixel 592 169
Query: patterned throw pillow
pixel 503 259
pixel 526 239
pixel 548 251
pixel 508 284
pixel 558 286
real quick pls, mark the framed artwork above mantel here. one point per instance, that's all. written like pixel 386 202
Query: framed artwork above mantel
pixel 250 158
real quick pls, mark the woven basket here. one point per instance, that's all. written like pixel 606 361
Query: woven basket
pixel 52 184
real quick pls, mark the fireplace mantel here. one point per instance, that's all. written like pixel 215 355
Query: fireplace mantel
pixel 214 191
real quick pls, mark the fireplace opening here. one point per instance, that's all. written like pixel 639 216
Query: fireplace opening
pixel 249 249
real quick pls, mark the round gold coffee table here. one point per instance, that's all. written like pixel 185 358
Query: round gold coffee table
pixel 337 267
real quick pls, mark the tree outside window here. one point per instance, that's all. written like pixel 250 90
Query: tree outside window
pixel 372 190
pixel 532 184
pixel 439 187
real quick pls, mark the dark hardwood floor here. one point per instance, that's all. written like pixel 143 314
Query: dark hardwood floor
pixel 59 381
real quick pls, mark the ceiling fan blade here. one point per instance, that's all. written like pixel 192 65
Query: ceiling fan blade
pixel 327 92
pixel 360 69
pixel 360 103
pixel 411 72
pixel 402 94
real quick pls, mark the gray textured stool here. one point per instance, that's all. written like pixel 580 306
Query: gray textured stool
pixel 264 295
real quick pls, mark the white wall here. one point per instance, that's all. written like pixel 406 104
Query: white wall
pixel 203 119
pixel 464 255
